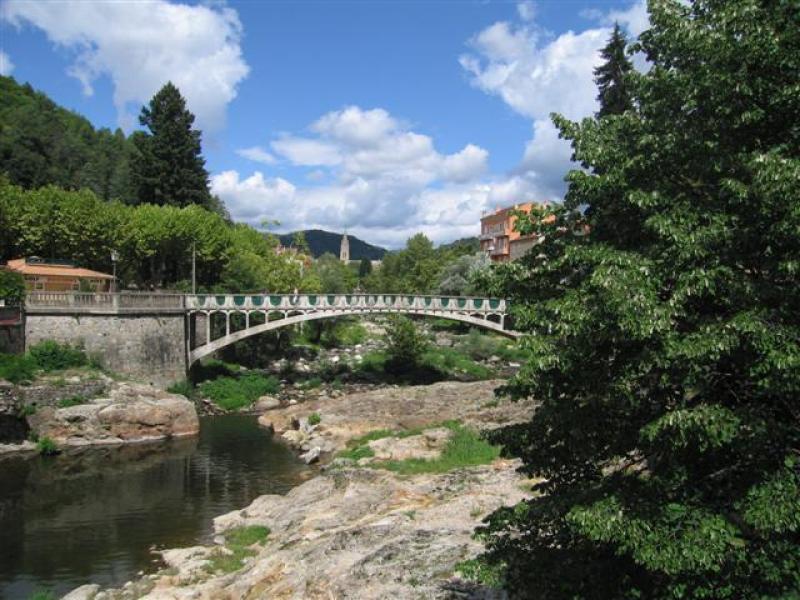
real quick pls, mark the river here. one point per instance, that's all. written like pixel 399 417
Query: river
pixel 93 515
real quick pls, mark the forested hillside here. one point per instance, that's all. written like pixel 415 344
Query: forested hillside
pixel 42 143
pixel 321 242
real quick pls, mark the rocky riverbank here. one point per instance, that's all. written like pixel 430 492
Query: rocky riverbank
pixel 122 412
pixel 357 530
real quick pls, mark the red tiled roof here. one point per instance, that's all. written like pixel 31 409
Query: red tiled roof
pixel 42 270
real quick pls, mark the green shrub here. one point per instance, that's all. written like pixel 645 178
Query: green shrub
pixel 12 288
pixel 405 345
pixel 72 401
pixel 232 393
pixel 314 418
pixel 42 594
pixel 27 410
pixel 481 572
pixel 452 363
pixel 449 325
pixel 343 333
pixel 46 447
pixel 311 384
pixel 183 388
pixel 17 368
pixel 50 355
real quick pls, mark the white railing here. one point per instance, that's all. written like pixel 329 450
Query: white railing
pixel 86 302
pixel 368 302
pixel 103 302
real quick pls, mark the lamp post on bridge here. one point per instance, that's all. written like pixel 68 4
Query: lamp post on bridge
pixel 114 257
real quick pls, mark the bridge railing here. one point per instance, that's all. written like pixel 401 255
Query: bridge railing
pixel 103 302
pixel 247 302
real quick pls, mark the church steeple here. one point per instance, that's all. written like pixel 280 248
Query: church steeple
pixel 344 249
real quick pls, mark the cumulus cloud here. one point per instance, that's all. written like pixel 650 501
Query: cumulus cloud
pixel 537 73
pixel 634 18
pixel 256 154
pixel 142 45
pixel 6 66
pixel 374 175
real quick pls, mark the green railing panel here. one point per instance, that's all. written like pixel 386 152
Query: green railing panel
pixel 477 303
pixel 201 300
pixel 409 299
pixel 275 300
pixel 220 300
pixel 428 301
pixel 312 300
pixel 348 300
pixel 238 300
pixel 462 302
pixel 494 304
pixel 445 302
pixel 257 300
pixel 331 300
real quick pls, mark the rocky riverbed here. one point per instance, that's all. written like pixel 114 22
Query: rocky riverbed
pixel 357 531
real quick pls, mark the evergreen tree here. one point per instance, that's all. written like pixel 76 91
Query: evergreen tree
pixel 168 167
pixel 364 268
pixel 614 96
pixel 665 346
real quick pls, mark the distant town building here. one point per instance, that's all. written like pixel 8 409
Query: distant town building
pixel 498 237
pixel 51 275
pixel 344 249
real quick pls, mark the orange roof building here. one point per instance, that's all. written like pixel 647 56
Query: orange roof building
pixel 498 237
pixel 59 276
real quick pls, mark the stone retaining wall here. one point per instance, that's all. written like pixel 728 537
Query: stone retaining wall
pixel 150 348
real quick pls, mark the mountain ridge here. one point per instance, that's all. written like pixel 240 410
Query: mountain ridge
pixel 321 241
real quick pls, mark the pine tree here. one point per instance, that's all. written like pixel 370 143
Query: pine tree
pixel 665 344
pixel 614 96
pixel 168 167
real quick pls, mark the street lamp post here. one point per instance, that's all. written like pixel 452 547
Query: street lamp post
pixel 114 257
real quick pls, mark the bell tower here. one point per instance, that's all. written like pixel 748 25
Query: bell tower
pixel 344 249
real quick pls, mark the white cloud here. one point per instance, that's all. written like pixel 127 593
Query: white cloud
pixel 142 45
pixel 307 152
pixel 257 154
pixel 6 66
pixel 526 10
pixel 635 18
pixel 373 175
pixel 537 73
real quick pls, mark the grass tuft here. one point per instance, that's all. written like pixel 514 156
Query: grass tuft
pixel 238 542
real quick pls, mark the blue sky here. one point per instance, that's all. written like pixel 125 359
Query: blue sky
pixel 386 117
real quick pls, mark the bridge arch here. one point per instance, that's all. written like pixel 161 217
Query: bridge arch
pixel 226 340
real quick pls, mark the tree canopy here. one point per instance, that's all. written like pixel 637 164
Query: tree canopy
pixel 169 167
pixel 665 344
pixel 614 96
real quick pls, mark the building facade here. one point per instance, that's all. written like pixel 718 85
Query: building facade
pixel 48 275
pixel 498 237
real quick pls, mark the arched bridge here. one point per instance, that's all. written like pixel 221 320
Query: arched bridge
pixel 275 311
pixel 159 336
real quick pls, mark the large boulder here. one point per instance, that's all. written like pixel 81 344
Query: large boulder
pixel 130 413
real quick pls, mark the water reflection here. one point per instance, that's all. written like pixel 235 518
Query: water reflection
pixel 92 515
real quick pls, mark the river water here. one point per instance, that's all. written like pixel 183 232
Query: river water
pixel 93 515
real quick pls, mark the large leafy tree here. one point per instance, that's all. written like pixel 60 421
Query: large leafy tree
pixel 665 343
pixel 614 96
pixel 168 167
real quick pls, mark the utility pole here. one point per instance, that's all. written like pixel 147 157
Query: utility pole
pixel 194 268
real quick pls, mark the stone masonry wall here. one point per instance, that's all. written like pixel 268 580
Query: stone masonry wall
pixel 150 348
